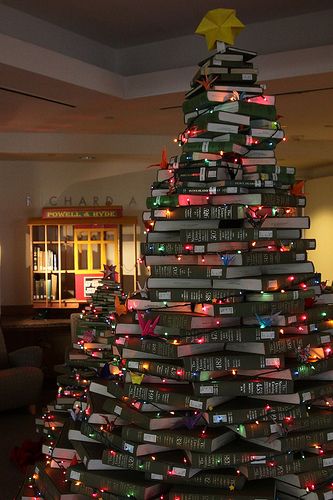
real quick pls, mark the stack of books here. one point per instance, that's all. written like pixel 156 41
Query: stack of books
pixel 227 368
pixel 221 385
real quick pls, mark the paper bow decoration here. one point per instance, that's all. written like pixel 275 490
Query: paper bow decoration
pixel 227 259
pixel 89 336
pixel 232 171
pixel 207 81
pixel 76 414
pixel 303 354
pixel 147 327
pixel 109 272
pixel 266 321
pixel 136 378
pixel 164 161
pixel 110 424
pixel 120 308
pixel 298 188
pixel 256 220
pixel 143 291
pixel 219 25
pixel 191 421
pixel 74 461
pixel 107 371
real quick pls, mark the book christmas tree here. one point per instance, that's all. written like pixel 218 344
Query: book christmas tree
pixel 216 383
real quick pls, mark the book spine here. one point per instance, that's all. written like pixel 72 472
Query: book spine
pixel 126 413
pixel 100 435
pixel 244 388
pixel 189 295
pixel 301 441
pixel 293 467
pixel 311 369
pixel 150 395
pixel 233 334
pixel 250 308
pixel 112 483
pixel 162 201
pixel 183 271
pixel 241 416
pixel 215 235
pixel 272 283
pixel 315 476
pixel 213 212
pixel 162 248
pixel 226 459
pixel 269 169
pixel 123 460
pixel 283 200
pixel 269 258
pixel 174 320
pixel 223 481
pixel 160 369
pixel 229 362
pixel 292 343
pixel 170 440
pixel 317 313
pixel 150 346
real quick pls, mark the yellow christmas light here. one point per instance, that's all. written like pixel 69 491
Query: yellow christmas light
pixel 219 25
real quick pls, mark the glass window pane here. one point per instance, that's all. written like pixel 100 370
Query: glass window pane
pixel 95 235
pixel 38 233
pixel 67 285
pixel 82 235
pixel 52 233
pixel 110 253
pixel 66 233
pixel 96 255
pixel 67 256
pixel 83 256
pixel 109 235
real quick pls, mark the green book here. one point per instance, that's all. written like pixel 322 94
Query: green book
pixel 169 397
pixel 167 463
pixel 269 169
pixel 242 386
pixel 238 234
pixel 316 419
pixel 218 94
pixel 254 490
pixel 307 463
pixel 286 345
pixel 243 409
pixel 229 361
pixel 199 295
pixel 235 143
pixel 118 482
pixel 224 479
pixel 50 482
pixel 296 441
pixel 158 419
pixel 195 439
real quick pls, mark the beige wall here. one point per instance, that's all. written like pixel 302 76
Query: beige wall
pixel 41 181
pixel 319 208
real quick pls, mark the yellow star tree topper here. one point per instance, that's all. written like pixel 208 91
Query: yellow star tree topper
pixel 220 25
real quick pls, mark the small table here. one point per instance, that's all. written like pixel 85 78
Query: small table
pixel 52 335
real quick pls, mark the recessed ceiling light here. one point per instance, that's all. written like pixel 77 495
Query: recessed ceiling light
pixel 87 157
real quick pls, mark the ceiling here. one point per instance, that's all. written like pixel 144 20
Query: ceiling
pixel 32 102
pixel 126 23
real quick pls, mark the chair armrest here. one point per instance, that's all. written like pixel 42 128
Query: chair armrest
pixel 26 356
